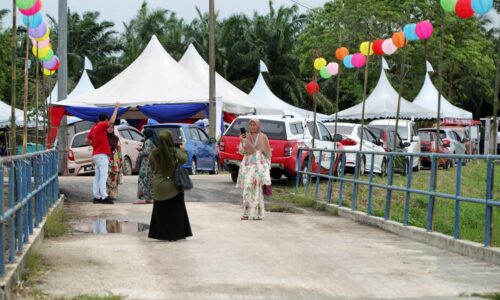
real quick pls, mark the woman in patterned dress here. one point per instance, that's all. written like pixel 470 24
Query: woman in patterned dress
pixel 145 181
pixel 115 164
pixel 254 170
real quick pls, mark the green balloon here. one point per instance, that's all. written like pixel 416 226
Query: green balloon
pixel 324 73
pixel 25 4
pixel 48 56
pixel 449 5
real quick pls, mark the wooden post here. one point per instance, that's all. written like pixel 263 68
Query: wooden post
pixel 401 89
pixel 338 98
pixel 25 107
pixel 12 138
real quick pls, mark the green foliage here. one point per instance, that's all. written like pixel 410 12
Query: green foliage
pixel 97 297
pixel 57 224
pixel 33 268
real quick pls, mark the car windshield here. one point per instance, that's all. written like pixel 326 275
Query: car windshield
pixel 275 130
pixel 376 131
pixel 341 129
pixel 79 141
pixel 176 133
pixel 402 130
pixel 425 136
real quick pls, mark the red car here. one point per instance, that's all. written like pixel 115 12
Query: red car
pixel 428 144
pixel 286 134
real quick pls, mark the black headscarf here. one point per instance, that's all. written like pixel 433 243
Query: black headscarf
pixel 150 134
pixel 113 141
pixel 164 154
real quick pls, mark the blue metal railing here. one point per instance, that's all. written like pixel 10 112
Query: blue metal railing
pixel 338 158
pixel 32 188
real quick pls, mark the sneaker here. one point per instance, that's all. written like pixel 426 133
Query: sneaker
pixel 97 201
pixel 107 201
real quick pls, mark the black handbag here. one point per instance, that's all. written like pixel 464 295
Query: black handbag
pixel 181 177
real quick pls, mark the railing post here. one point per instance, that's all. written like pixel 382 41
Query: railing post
pixel 37 195
pixel 388 195
pixel 409 178
pixel 318 172
pixel 2 226
pixel 355 183
pixel 12 224
pixel 25 197
pixel 432 189
pixel 309 169
pixel 488 230
pixel 330 174
pixel 458 189
pixel 342 171
pixel 298 169
pixel 19 215
pixel 370 186
pixel 30 190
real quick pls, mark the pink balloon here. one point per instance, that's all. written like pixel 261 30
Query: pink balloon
pixel 41 44
pixel 424 30
pixel 358 60
pixel 51 63
pixel 31 11
pixel 332 68
pixel 388 47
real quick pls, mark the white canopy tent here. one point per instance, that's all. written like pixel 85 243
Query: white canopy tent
pixel 262 91
pixel 153 78
pixel 382 104
pixel 428 98
pixel 5 114
pixel 233 99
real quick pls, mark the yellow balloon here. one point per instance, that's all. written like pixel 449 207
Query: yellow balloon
pixel 48 72
pixel 319 63
pixel 364 48
pixel 46 35
pixel 40 52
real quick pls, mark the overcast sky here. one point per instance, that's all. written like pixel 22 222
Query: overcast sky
pixel 120 11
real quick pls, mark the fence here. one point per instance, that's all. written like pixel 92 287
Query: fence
pixel 338 174
pixel 31 188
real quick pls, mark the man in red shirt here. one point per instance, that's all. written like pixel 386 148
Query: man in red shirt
pixel 98 138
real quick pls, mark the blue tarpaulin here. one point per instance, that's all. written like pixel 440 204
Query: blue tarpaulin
pixel 173 112
pixel 92 113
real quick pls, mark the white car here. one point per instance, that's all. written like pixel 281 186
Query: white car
pixel 452 138
pixel 408 133
pixel 351 134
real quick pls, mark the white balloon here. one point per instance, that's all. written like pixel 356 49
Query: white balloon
pixel 332 68
pixel 388 47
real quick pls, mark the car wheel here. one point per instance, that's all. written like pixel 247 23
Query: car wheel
pixel 215 169
pixel 234 176
pixel 447 164
pixel 383 168
pixel 419 165
pixel 192 171
pixel 127 167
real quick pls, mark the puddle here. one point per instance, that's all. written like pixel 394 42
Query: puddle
pixel 105 226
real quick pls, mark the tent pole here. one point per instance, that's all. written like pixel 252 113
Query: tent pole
pixel 13 146
pixel 37 91
pixel 365 86
pixel 25 127
pixel 62 79
pixel 338 97
pixel 211 75
pixel 45 114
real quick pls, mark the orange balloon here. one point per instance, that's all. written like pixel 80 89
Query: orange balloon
pixel 399 39
pixel 341 53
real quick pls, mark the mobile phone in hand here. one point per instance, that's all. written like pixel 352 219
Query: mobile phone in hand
pixel 243 131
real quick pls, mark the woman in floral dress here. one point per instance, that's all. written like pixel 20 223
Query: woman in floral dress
pixel 254 170
pixel 145 181
pixel 115 164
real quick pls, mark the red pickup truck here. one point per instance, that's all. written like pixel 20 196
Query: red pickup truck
pixel 286 134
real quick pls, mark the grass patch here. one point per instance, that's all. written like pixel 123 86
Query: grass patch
pixel 492 296
pixel 57 223
pixel 472 215
pixel 97 297
pixel 33 268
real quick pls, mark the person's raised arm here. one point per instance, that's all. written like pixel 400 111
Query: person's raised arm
pixel 113 117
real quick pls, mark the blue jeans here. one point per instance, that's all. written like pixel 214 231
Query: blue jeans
pixel 101 163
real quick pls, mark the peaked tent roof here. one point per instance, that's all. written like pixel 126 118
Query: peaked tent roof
pixel 5 114
pixel 153 78
pixel 262 91
pixel 428 97
pixel 233 99
pixel 383 102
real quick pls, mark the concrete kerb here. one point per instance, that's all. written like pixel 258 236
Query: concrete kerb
pixel 436 239
pixel 9 280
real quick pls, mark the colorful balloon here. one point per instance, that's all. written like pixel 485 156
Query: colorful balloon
pixel 358 60
pixel 34 20
pixel 48 72
pixel 364 48
pixel 55 67
pixel 41 44
pixel 45 36
pixel 319 63
pixel 323 72
pixel 409 32
pixel 348 62
pixel 40 52
pixel 377 47
pixel 482 6
pixel 388 47
pixel 51 63
pixel 341 53
pixel 399 39
pixel 47 57
pixel 424 30
pixel 333 68
pixel 25 4
pixel 448 5
pixel 312 88
pixel 464 9
pixel 38 32
pixel 33 10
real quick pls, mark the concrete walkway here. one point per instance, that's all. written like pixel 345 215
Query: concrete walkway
pixel 286 256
